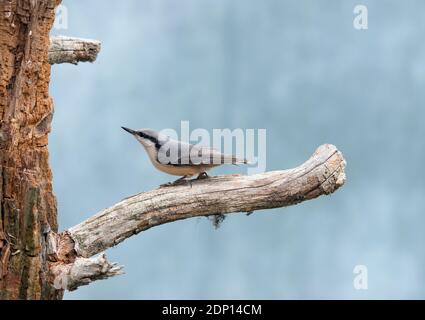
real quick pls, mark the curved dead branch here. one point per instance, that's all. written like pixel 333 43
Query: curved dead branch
pixel 322 174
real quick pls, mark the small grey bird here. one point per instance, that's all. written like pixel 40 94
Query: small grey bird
pixel 179 158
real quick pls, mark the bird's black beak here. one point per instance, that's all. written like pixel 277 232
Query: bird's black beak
pixel 129 130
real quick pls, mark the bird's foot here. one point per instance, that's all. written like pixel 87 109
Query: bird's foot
pixel 184 181
pixel 178 182
pixel 203 176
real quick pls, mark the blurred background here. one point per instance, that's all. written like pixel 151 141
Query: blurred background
pixel 296 68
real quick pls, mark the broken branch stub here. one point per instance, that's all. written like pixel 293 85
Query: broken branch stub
pixel 73 50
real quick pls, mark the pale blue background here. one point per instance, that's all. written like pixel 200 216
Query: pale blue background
pixel 296 68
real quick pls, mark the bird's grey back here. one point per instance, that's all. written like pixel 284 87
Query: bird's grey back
pixel 178 153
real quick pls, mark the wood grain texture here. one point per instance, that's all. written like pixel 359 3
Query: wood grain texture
pixel 82 272
pixel 322 174
pixel 73 50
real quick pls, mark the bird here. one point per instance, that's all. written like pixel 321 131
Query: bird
pixel 179 158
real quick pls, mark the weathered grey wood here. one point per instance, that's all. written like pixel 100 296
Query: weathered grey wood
pixel 72 50
pixel 322 174
pixel 82 272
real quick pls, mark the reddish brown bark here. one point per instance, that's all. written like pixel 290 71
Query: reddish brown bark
pixel 27 203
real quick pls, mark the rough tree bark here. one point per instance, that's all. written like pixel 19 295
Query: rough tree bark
pixel 27 204
pixel 38 262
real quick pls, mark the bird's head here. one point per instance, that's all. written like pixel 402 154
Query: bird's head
pixel 147 137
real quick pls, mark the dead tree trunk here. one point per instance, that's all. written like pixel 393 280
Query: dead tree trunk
pixel 27 204
pixel 37 262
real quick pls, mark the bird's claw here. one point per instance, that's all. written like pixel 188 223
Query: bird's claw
pixel 166 185
pixel 203 176
pixel 178 182
pixel 184 181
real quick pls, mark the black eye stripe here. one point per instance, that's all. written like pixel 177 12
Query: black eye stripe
pixel 150 138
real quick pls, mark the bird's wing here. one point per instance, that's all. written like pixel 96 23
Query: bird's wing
pixel 183 154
